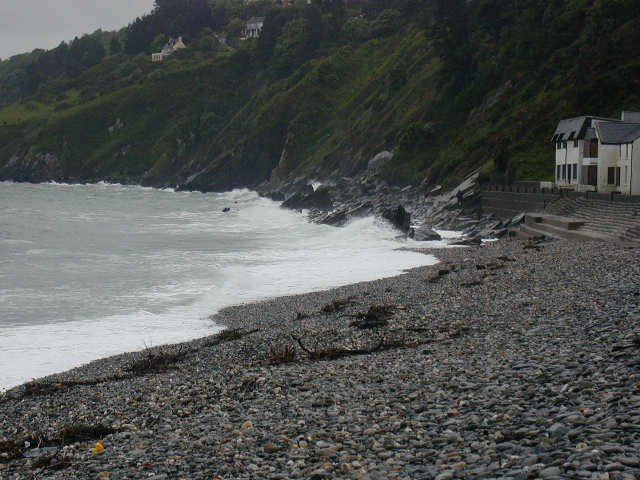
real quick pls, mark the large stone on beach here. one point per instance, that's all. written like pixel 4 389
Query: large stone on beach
pixel 426 233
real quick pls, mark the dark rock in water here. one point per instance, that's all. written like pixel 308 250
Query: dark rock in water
pixel 425 234
pixel 310 198
pixel 277 196
pixel 398 217
pixel 342 216
pixel 335 219
pixel 226 209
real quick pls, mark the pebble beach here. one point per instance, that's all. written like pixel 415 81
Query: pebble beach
pixel 517 359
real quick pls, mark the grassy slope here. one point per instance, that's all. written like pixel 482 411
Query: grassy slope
pixel 217 113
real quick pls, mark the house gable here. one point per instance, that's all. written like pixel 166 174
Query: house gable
pixel 611 133
pixel 575 128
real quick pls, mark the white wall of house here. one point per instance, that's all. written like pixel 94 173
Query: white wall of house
pixel 608 158
pixel 634 168
pixel 253 28
pixel 569 155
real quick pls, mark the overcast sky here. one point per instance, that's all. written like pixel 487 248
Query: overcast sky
pixel 29 24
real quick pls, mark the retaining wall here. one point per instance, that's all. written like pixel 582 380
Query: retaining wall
pixel 506 202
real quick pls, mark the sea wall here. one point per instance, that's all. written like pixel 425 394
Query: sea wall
pixel 506 202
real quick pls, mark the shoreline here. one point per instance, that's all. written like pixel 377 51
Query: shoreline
pixel 510 360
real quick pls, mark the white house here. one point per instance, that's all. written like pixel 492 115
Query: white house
pixel 169 47
pixel 254 25
pixel 599 154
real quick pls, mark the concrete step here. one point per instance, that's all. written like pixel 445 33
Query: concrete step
pixel 565 223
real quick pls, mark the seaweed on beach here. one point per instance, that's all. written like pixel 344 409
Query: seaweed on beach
pixel 156 362
pixel 287 354
pixel 333 353
pixel 82 433
pixel 376 316
pixel 336 305
pixel 228 335
pixel 52 462
pixel 10 451
pixel 35 389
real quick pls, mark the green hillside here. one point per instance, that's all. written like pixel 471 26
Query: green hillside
pixel 449 86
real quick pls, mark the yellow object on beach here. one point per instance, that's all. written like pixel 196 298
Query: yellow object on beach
pixel 98 448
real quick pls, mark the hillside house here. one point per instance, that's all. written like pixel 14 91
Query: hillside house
pixel 599 154
pixel 169 47
pixel 254 26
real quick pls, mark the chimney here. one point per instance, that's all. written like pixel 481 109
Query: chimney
pixel 631 117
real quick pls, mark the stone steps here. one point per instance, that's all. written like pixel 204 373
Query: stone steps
pixel 618 221
pixel 562 227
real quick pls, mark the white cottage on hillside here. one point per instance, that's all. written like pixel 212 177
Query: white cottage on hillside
pixel 599 154
pixel 169 47
pixel 254 26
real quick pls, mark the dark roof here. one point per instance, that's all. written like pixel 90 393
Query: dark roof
pixel 618 132
pixel 574 128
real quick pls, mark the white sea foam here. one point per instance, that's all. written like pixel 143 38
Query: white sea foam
pixel 93 270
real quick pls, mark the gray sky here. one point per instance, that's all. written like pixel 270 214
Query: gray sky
pixel 30 24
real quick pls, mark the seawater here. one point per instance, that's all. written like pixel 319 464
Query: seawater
pixel 88 271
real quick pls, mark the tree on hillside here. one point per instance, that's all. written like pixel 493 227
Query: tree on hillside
pixel 182 17
pixel 235 28
pixel 115 46
pixel 451 34
pixel 84 52
pixel 139 35
pixel 494 16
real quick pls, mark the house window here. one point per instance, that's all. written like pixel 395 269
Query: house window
pixel 564 172
pixel 558 172
pixel 575 171
pixel 558 145
pixel 575 144
pixel 613 176
pixel 626 168
pixel 593 149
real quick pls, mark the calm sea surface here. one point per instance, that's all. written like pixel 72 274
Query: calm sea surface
pixel 88 271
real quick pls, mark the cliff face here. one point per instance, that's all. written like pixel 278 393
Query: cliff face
pixel 486 95
pixel 32 167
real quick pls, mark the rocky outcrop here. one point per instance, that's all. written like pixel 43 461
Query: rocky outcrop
pixel 33 168
pixel 308 198
pixel 425 207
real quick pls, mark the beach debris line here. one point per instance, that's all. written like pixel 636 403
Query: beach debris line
pixel 155 362
pixel 52 453
pixel 333 353
pixel 376 316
